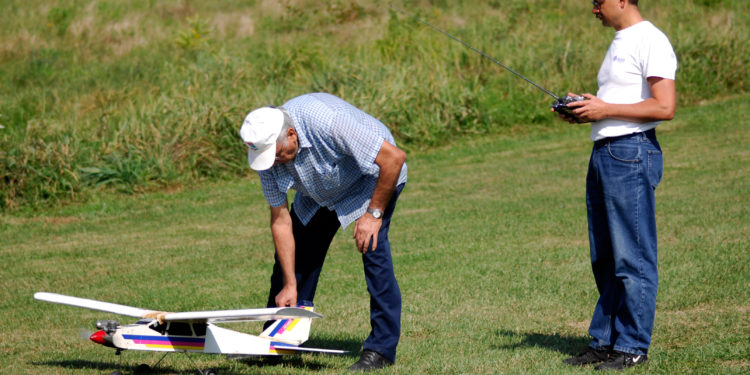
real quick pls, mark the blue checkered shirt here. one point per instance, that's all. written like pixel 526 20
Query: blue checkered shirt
pixel 335 163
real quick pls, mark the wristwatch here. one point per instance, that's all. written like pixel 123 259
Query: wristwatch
pixel 375 212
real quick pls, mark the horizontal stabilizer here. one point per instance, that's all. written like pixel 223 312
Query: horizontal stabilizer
pixel 281 347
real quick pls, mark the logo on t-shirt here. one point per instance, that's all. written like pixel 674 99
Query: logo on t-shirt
pixel 618 59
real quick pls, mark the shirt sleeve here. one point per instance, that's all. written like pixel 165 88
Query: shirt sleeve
pixel 271 191
pixel 659 59
pixel 359 138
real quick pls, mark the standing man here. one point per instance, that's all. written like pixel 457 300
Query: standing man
pixel 636 92
pixel 345 167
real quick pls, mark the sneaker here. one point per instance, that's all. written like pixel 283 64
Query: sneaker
pixel 587 357
pixel 370 360
pixel 620 360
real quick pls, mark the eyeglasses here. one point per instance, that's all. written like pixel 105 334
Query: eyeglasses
pixel 597 4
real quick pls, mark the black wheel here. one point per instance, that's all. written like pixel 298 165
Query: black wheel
pixel 143 369
pixel 211 371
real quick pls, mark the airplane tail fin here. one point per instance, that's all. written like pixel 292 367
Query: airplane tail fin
pixel 290 331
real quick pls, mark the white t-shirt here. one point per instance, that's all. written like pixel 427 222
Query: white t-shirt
pixel 638 52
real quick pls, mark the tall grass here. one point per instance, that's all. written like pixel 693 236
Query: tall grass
pixel 140 95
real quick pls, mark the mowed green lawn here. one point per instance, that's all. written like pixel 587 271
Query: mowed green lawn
pixel 490 248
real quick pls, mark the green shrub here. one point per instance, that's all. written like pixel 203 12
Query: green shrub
pixel 143 95
pixel 60 19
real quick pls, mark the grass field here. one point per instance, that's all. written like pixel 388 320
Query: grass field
pixel 122 178
pixel 490 249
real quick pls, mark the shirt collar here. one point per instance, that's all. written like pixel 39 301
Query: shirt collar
pixel 302 140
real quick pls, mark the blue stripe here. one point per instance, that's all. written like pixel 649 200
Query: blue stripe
pixel 164 338
pixel 278 327
pixel 275 343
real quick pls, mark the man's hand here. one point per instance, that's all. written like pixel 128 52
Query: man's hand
pixel 287 297
pixel 591 109
pixel 567 118
pixel 366 228
pixel 576 108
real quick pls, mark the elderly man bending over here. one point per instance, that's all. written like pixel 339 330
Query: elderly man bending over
pixel 345 167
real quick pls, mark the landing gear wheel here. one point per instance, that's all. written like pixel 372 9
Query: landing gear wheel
pixel 211 371
pixel 143 369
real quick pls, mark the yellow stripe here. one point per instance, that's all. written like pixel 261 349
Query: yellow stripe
pixel 281 351
pixel 291 325
pixel 182 347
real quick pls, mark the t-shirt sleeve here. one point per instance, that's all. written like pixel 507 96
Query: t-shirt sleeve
pixel 659 59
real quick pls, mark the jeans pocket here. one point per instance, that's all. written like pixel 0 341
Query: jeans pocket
pixel 655 167
pixel 624 152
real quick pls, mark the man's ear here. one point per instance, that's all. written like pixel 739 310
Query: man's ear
pixel 291 132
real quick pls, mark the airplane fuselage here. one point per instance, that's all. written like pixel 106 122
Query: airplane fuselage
pixel 144 337
pixel 196 337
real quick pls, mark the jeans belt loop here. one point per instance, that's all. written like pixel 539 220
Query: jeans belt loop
pixel 650 134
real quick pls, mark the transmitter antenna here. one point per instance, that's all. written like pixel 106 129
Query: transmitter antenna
pixel 474 49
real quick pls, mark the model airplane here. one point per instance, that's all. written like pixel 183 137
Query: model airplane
pixel 195 332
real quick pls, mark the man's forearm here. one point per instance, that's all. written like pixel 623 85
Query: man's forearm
pixel 645 111
pixel 661 106
pixel 284 243
pixel 390 159
pixel 283 240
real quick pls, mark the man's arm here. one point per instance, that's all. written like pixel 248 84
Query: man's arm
pixel 390 159
pixel 660 106
pixel 283 240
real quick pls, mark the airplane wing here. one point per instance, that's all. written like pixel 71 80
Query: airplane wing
pixel 92 304
pixel 243 315
pixel 209 316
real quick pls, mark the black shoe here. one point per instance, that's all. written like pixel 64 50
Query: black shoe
pixel 620 360
pixel 587 357
pixel 370 361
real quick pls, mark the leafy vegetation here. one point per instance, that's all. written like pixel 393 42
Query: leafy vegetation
pixel 142 95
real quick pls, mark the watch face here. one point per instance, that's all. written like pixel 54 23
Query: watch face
pixel 377 214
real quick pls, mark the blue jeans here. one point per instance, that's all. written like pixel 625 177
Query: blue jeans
pixel 623 174
pixel 311 245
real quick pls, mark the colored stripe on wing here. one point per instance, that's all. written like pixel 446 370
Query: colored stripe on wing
pixel 167 342
pixel 278 348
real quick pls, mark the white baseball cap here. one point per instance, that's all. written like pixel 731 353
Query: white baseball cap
pixel 259 131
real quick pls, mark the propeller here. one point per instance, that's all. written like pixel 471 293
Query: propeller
pixel 84 334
